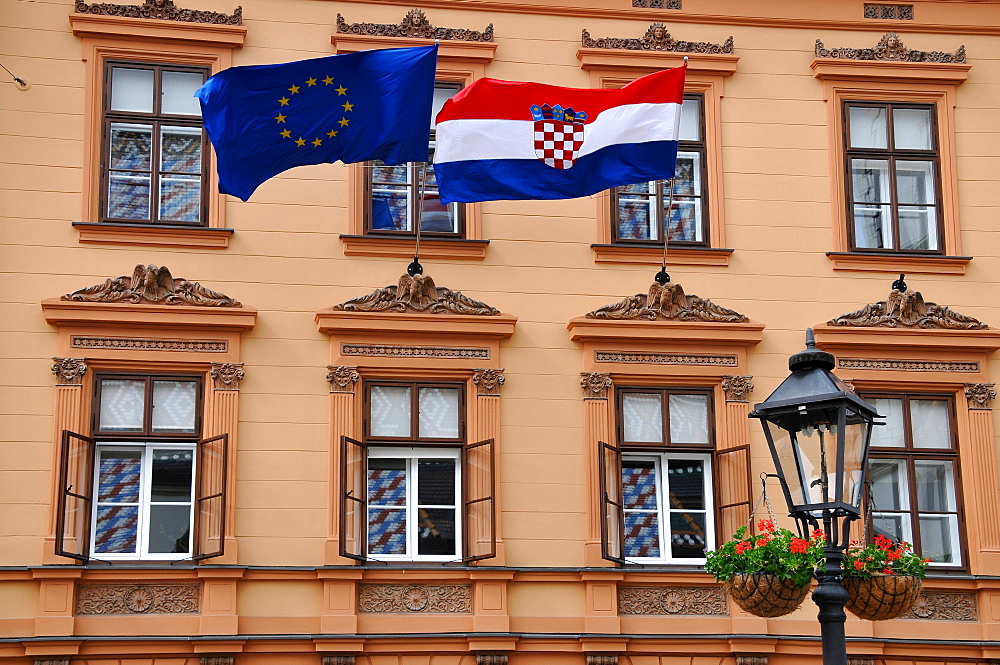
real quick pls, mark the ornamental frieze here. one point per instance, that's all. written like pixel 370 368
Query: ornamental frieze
pixel 602 659
pixel 737 388
pixel 491 659
pixel 218 660
pixel 152 284
pixel 667 302
pixel 141 344
pixel 138 598
pixel 412 598
pixel 657 4
pixel 908 365
pixel 488 381
pixel 664 358
pixel 889 12
pixel 394 351
pixel 414 24
pixel 164 10
pixel 980 396
pixel 753 659
pixel 889 48
pixel 339 659
pixel 905 308
pixel 227 376
pixel 69 371
pixel 342 378
pixel 660 600
pixel 419 294
pixel 656 39
pixel 944 606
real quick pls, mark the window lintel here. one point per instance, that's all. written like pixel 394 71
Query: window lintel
pixel 119 27
pixel 449 51
pixel 620 61
pixel 836 69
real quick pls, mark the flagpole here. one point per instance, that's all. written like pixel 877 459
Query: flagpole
pixel 415 268
pixel 663 278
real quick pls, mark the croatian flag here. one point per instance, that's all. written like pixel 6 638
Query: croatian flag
pixel 513 140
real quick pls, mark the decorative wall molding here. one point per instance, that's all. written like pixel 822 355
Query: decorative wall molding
pixel 667 302
pixel 388 350
pixel 164 10
pixel 664 358
pixel 907 365
pixel 413 598
pixel 152 284
pixel 737 388
pixel 488 381
pixel 419 294
pixel 980 396
pixel 752 659
pixel 342 378
pixel 889 13
pixel 595 385
pixel 602 659
pixel 218 660
pixel 69 371
pixel 944 606
pixel 860 660
pixel 491 659
pixel 227 376
pixel 137 344
pixel 850 385
pixel 339 659
pixel 657 4
pixel 662 600
pixel 656 39
pixel 51 661
pixel 414 24
pixel 138 598
pixel 891 48
pixel 907 309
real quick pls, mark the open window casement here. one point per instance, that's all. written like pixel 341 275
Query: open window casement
pixel 76 496
pixel 612 507
pixel 732 490
pixel 210 497
pixel 478 502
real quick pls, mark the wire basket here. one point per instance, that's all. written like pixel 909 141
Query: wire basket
pixel 765 595
pixel 882 597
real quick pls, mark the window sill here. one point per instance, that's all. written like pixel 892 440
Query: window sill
pixel 648 255
pixel 430 248
pixel 163 236
pixel 899 263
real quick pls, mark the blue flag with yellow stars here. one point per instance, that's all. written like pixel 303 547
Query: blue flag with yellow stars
pixel 266 119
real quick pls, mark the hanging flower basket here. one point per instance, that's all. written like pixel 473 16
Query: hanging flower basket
pixel 882 597
pixel 766 595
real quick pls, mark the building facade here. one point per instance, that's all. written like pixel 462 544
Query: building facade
pixel 226 440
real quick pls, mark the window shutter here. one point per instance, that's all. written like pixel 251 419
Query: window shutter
pixel 612 512
pixel 479 520
pixel 354 499
pixel 76 485
pixel 210 497
pixel 732 490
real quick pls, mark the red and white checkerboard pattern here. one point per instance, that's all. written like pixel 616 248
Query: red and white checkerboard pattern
pixel 557 143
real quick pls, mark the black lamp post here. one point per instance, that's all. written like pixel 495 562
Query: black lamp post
pixel 818 431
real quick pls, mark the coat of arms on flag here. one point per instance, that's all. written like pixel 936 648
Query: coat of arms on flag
pixel 558 134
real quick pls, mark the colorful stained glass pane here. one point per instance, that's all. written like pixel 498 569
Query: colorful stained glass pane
pixel 180 198
pixel 122 405
pixel 118 480
pixel 131 146
pixel 639 485
pixel 180 150
pixel 174 406
pixel 386 531
pixel 128 195
pixel 438 413
pixel 386 482
pixel 642 535
pixel 116 529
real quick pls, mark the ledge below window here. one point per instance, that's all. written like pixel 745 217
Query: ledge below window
pixel 651 255
pixel 159 235
pixel 402 247
pixel 904 263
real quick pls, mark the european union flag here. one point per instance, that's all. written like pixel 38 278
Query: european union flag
pixel 266 119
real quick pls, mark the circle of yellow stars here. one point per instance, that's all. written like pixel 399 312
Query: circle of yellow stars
pixel 286 100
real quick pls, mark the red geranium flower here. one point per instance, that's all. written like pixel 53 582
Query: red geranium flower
pixel 798 545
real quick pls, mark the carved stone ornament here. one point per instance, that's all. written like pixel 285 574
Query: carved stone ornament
pixel 907 309
pixel 660 600
pixel 407 598
pixel 908 365
pixel 152 284
pixel 414 24
pixel 488 381
pixel 944 606
pixel 595 385
pixel 667 302
pixel 417 293
pixel 656 39
pixel 751 659
pixel 602 659
pixel 491 659
pixel 339 659
pixel 161 9
pixel 889 12
pixel 737 388
pixel 138 598
pixel 860 660
pixel 147 344
pixel 51 661
pixel 889 48
pixel 227 376
pixel 342 378
pixel 657 4
pixel 980 396
pixel 69 371
pixel 849 384
pixel 218 660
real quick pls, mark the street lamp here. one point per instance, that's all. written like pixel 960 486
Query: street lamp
pixel 818 431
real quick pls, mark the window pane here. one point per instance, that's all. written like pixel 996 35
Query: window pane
pixel 685 222
pixel 634 219
pixel 386 482
pixel 178 93
pixel 642 535
pixel 442 93
pixel 639 485
pixel 132 90
pixel 894 526
pixel 912 129
pixel 687 181
pixel 642 417
pixel 131 146
pixel 439 413
pixel 122 402
pixel 939 538
pixel 889 486
pixel 436 482
pixel 872 227
pixel 918 228
pixel 688 419
pixel 180 198
pixel 930 423
pixel 436 531
pixel 169 529
pixel 116 529
pixel 387 531
pixel 915 182
pixel 171 476
pixel 687 534
pixel 180 150
pixel 870 179
pixel 935 486
pixel 686 482
pixel 890 435
pixel 435 216
pixel 690 120
pixel 868 127
pixel 389 209
pixel 174 406
pixel 128 196
pixel 118 479
pixel 390 411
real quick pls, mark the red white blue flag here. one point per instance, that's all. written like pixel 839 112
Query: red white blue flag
pixel 513 140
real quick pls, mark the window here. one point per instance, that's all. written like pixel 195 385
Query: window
pixel 913 468
pixel 397 193
pixel 639 211
pixel 154 155
pixel 143 486
pixel 893 167
pixel 413 489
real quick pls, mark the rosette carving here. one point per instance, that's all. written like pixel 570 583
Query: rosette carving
pixel 889 48
pixel 138 598
pixel 667 302
pixel 656 39
pixel 69 371
pixel 414 24
pixel 164 10
pixel 417 293
pixel 152 284
pixel 488 381
pixel 944 606
pixel 907 309
pixel 672 600
pixel 407 598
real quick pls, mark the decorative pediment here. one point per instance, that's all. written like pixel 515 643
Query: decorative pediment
pixel 414 24
pixel 161 9
pixel 151 284
pixel 417 293
pixel 905 308
pixel 889 48
pixel 667 303
pixel 656 39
